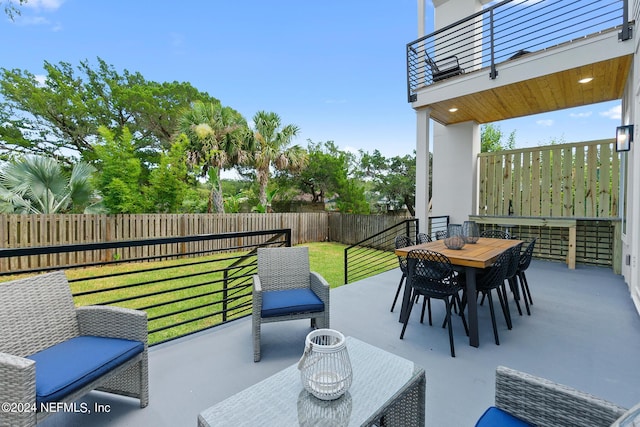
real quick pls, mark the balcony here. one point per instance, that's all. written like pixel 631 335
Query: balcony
pixel 519 58
pixel 583 332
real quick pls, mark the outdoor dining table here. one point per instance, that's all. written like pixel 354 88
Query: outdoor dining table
pixel 473 257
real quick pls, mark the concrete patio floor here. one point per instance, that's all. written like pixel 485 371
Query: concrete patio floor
pixel 584 332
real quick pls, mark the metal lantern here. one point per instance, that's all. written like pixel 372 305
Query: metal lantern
pixel 471 231
pixel 325 368
pixel 454 242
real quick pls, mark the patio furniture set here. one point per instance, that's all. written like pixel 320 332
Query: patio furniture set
pixel 51 351
pixel 456 276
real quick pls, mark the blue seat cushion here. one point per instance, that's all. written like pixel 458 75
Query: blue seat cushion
pixel 290 301
pixel 72 364
pixel 495 417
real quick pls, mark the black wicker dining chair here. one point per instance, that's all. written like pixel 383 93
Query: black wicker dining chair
pixel 433 277
pixel 525 261
pixel 495 233
pixel 401 242
pixel 441 234
pixel 422 238
pixel 512 272
pixel 492 280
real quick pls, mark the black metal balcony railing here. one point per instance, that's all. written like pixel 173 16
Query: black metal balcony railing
pixel 375 254
pixel 204 281
pixel 507 30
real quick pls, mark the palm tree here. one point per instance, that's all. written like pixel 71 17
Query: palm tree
pixel 271 148
pixel 38 185
pixel 216 142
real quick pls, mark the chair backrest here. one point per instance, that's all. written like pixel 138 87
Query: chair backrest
pixel 284 268
pixel 432 269
pixel 402 242
pixel 497 272
pixel 514 262
pixel 423 238
pixel 36 313
pixel 525 258
pixel 441 234
pixel 495 234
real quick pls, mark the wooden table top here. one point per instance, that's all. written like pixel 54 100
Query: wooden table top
pixel 479 255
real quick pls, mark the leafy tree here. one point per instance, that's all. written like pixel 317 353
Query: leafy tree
pixel 168 182
pixel 330 175
pixel 217 136
pixel 119 173
pixel 10 7
pixel 271 142
pixel 326 172
pixel 39 185
pixel 393 179
pixel 492 139
pixel 60 116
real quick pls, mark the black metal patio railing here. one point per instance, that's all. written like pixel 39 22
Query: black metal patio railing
pixel 202 281
pixel 505 31
pixel 375 254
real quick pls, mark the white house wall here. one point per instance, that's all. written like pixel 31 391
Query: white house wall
pixel 631 238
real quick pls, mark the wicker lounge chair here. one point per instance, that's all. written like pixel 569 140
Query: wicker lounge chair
pixel 286 289
pixel 52 352
pixel 544 403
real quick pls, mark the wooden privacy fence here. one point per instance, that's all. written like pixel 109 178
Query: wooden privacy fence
pixel 569 180
pixel 22 231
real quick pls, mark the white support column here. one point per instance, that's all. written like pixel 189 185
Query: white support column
pixel 422 167
pixel 455 170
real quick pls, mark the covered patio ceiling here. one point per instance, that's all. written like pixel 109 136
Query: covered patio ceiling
pixel 541 94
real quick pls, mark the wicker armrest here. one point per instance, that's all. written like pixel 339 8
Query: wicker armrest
pixel 115 322
pixel 545 403
pixel 319 286
pixel 257 295
pixel 18 379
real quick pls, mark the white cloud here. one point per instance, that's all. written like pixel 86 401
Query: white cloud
pixel 350 149
pixel 32 20
pixel 44 4
pixel 581 115
pixel 614 113
pixel 545 122
pixel 40 79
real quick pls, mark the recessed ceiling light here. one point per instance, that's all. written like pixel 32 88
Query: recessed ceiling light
pixel 585 80
pixel 453 110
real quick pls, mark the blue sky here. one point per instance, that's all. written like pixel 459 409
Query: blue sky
pixel 335 68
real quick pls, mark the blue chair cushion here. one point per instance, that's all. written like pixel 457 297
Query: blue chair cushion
pixel 290 301
pixel 495 417
pixel 72 364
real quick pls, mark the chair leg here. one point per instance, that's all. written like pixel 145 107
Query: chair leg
pixel 524 294
pixel 256 341
pixel 395 299
pixel 448 320
pixel 406 320
pixel 464 320
pixel 493 318
pixel 504 303
pixel 513 285
pixel 526 286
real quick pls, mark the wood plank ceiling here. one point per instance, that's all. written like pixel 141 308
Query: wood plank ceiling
pixel 542 94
